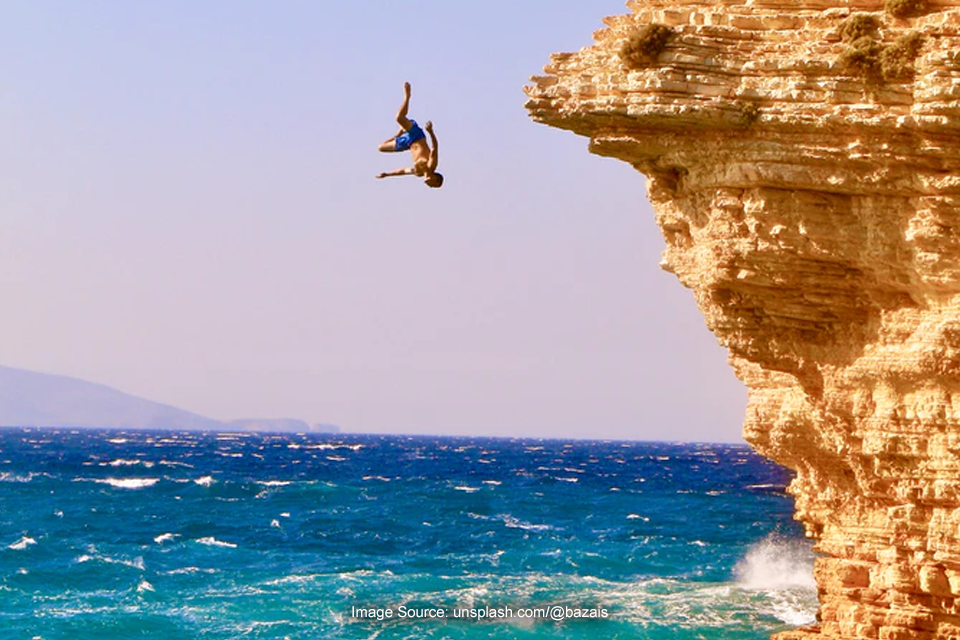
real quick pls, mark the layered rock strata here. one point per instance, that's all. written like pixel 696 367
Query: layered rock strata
pixel 811 202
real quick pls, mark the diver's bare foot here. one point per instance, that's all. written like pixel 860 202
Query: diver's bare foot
pixel 406 89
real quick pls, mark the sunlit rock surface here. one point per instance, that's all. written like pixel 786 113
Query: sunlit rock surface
pixel 812 209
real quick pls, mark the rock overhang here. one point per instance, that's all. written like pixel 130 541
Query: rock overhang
pixel 811 206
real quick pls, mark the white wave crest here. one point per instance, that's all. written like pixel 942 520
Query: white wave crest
pixel 136 563
pixel 205 481
pixel 513 523
pixel 129 483
pixel 210 541
pixel 175 463
pixel 22 543
pixel 189 571
pixel 165 537
pixel 7 476
pixel 121 462
pixel 294 579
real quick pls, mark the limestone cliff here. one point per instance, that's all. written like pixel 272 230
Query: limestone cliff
pixel 803 160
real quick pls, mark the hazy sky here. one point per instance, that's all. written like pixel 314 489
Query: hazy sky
pixel 189 213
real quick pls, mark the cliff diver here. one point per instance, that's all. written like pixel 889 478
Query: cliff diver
pixel 411 137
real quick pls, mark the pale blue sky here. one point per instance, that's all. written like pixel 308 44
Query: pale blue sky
pixel 189 214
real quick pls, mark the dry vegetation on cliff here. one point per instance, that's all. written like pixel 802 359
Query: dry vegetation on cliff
pixel 867 57
pixel 858 26
pixel 896 60
pixel 644 45
pixel 748 110
pixel 905 8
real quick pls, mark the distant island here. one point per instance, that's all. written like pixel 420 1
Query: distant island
pixel 30 399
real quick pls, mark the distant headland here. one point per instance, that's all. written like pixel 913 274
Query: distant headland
pixel 30 399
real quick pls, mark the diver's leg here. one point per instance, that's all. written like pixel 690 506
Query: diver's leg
pixel 402 118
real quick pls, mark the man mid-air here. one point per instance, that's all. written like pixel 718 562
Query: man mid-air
pixel 411 137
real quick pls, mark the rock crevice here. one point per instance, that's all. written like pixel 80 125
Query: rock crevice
pixel 813 208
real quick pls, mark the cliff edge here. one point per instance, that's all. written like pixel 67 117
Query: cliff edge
pixel 803 160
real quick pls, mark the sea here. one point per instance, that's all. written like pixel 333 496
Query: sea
pixel 181 535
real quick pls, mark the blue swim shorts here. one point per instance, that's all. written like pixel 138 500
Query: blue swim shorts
pixel 410 136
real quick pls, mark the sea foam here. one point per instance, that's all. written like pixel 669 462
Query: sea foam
pixel 210 541
pixel 22 543
pixel 122 462
pixel 775 563
pixel 129 483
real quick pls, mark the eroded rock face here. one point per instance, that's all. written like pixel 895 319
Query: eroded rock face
pixel 813 208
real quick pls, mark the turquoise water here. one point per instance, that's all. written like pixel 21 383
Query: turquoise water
pixel 215 536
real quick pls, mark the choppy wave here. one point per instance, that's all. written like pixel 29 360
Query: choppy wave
pixel 280 540
pixel 121 462
pixel 326 446
pixel 210 541
pixel 8 476
pixel 191 571
pixel 466 488
pixel 22 543
pixel 128 483
pixel 135 563
pixel 175 463
pixel 514 523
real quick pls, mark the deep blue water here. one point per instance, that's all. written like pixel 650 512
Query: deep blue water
pixel 188 535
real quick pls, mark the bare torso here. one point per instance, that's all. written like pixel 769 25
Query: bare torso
pixel 420 152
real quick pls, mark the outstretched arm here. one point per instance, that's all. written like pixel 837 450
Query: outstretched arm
pixel 399 172
pixel 434 158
